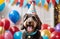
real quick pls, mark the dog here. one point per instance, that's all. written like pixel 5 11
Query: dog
pixel 32 25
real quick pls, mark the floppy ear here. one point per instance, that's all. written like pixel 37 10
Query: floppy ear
pixel 24 19
pixel 39 23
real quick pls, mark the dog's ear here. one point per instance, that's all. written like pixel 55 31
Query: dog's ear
pixel 39 23
pixel 25 17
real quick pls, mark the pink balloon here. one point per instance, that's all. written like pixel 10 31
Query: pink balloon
pixel 8 35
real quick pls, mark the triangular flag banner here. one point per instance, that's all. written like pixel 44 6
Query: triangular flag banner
pixel 53 2
pixel 11 1
pixel 57 1
pixel 48 1
pixel 49 5
pixel 32 9
pixel 2 6
pixel 37 2
pixel 28 5
pixel 43 2
pixel 25 3
pixel 21 3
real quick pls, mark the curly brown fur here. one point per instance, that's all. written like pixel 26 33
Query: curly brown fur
pixel 31 23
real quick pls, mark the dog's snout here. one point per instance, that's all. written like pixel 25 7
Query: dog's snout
pixel 29 22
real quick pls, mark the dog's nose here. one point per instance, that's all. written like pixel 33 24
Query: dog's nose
pixel 29 22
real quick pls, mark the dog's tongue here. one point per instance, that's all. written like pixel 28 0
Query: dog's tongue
pixel 29 29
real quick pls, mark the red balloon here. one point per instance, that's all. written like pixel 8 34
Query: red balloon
pixel 55 35
pixel 6 23
pixel 44 26
pixel 1 36
pixel 51 29
pixel 1 23
pixel 48 1
pixel 13 29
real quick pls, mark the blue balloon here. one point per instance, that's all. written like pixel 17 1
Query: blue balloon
pixel 18 35
pixel 45 37
pixel 28 5
pixel 2 6
pixel 14 16
pixel 43 2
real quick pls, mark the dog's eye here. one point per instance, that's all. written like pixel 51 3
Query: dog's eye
pixel 34 18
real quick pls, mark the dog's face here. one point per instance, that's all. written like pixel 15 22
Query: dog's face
pixel 30 22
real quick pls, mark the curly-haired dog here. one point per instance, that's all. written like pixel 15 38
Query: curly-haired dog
pixel 32 25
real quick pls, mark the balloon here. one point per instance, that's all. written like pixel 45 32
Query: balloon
pixel 8 35
pixel 44 26
pixel 43 2
pixel 1 36
pixel 48 1
pixel 45 33
pixel 13 29
pixel 1 1
pixel 2 30
pixel 45 37
pixel 57 28
pixel 51 29
pixel 6 23
pixel 18 35
pixel 2 6
pixel 55 35
pixel 14 16
pixel 57 1
pixel 1 23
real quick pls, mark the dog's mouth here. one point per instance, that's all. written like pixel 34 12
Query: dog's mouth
pixel 30 28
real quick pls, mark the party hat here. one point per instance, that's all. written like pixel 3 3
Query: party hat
pixel 32 9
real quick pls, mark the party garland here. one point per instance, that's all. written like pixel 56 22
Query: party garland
pixel 23 3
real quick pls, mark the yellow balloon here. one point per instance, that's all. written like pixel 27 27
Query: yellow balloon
pixel 46 6
pixel 1 2
pixel 2 30
pixel 45 33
